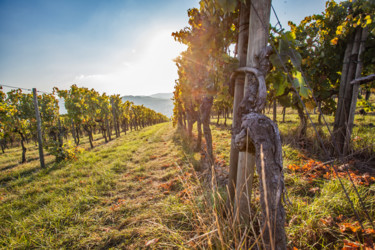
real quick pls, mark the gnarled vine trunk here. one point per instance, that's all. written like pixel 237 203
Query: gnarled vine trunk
pixel 259 140
pixel 89 133
pixel 24 149
pixel 108 129
pixel 302 128
pixel 205 109
pixel 260 136
pixel 199 137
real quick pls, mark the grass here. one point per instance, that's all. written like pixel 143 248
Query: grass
pixel 109 197
pixel 141 190
pixel 12 156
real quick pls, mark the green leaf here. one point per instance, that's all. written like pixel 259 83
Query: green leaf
pixel 276 62
pixel 298 80
pixel 284 47
pixel 281 89
pixel 296 58
pixel 280 84
pixel 304 92
pixel 228 5
pixel 291 36
pixel 285 101
pixel 299 84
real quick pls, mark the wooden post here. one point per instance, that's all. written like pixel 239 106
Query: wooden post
pixel 39 127
pixel 257 41
pixel 346 93
pixel 259 140
pixel 238 96
pixel 355 90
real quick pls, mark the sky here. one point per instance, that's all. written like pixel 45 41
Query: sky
pixel 115 46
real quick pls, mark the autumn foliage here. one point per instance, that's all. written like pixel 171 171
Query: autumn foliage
pixel 312 170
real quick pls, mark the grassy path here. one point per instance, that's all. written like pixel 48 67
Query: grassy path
pixel 121 194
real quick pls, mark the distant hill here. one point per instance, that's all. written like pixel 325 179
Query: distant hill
pixel 162 95
pixel 161 103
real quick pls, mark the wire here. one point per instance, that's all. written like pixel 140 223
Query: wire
pixel 13 87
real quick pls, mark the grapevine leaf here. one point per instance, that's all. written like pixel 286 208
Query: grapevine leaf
pixel 228 5
pixel 296 58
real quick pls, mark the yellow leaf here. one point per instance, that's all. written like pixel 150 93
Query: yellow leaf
pixel 334 41
pixel 368 19
pixel 339 30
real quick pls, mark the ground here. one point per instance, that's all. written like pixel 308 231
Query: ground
pixel 119 194
pixel 143 190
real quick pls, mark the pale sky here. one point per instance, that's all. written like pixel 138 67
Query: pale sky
pixel 114 46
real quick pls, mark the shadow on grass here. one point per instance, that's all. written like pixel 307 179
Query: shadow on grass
pixel 27 161
pixel 311 145
pixel 10 167
pixel 221 126
pixel 50 167
pixel 29 175
pixel 188 146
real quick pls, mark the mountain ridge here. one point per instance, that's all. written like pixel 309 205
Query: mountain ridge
pixel 162 95
pixel 160 102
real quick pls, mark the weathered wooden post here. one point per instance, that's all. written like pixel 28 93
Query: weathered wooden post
pixel 348 93
pixel 355 91
pixel 117 130
pixel 39 127
pixel 238 88
pixel 257 40
pixel 259 140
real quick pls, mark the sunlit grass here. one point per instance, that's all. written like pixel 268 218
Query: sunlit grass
pixel 96 201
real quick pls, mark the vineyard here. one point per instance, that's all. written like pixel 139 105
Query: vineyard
pixel 87 112
pixel 270 146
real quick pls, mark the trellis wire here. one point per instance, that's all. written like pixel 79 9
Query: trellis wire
pixel 13 87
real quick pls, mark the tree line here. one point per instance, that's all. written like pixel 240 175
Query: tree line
pixel 88 113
